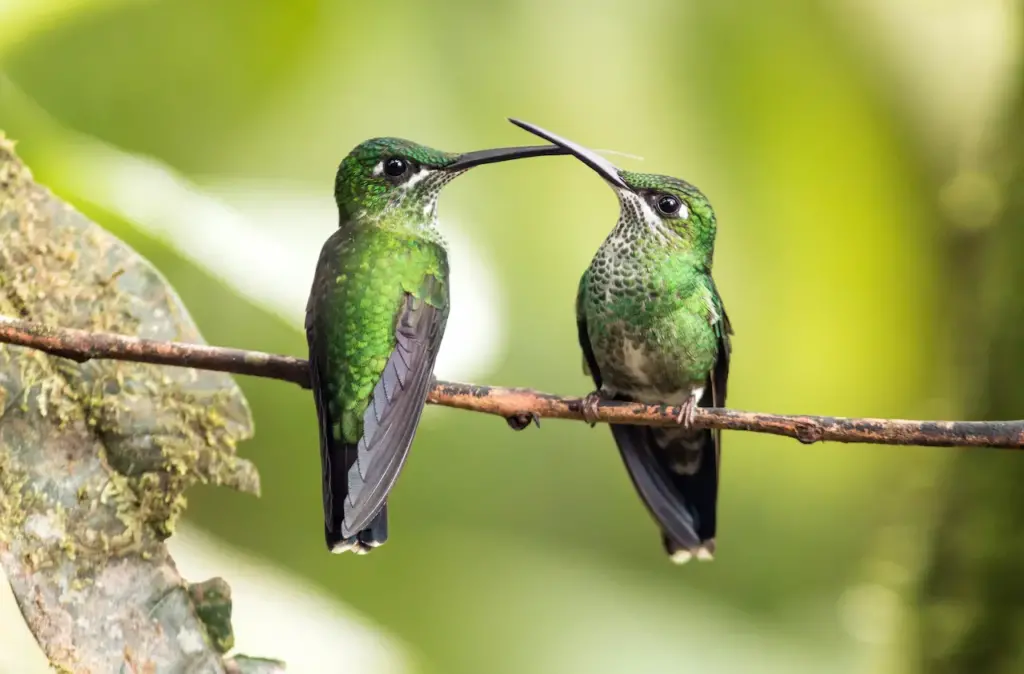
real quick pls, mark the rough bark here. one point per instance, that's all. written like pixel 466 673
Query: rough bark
pixel 95 457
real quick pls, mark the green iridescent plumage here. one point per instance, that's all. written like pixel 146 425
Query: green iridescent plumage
pixel 374 322
pixel 373 270
pixel 653 329
pixel 650 305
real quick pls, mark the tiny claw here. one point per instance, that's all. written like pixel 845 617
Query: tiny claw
pixel 589 407
pixel 518 422
pixel 685 416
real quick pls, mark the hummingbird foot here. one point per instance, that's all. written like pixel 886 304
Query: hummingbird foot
pixel 518 422
pixel 685 416
pixel 589 407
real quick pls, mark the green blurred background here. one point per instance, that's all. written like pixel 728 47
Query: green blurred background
pixel 858 155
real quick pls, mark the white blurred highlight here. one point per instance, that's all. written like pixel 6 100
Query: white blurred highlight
pixel 274 615
pixel 869 613
pixel 19 653
pixel 281 616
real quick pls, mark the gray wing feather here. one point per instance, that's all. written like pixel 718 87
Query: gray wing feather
pixel 719 379
pixel 391 418
pixel 331 455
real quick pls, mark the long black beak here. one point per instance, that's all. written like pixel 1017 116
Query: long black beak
pixel 604 168
pixel 471 159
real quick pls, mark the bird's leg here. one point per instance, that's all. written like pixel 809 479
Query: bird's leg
pixel 589 407
pixel 685 417
pixel 518 422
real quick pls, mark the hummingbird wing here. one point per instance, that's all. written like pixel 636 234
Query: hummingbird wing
pixel 718 380
pixel 359 468
pixel 589 361
pixel 397 402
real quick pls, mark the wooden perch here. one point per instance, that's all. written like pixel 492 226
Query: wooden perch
pixel 518 403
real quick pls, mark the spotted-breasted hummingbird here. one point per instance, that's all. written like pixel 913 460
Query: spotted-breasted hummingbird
pixel 653 329
pixel 374 323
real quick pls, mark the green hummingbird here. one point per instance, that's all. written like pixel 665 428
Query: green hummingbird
pixel 653 329
pixel 374 322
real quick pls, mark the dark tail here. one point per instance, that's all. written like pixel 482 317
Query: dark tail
pixel 675 472
pixel 363 542
pixel 338 459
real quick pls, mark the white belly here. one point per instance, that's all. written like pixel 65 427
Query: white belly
pixel 636 362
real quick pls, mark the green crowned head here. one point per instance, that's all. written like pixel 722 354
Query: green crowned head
pixel 387 177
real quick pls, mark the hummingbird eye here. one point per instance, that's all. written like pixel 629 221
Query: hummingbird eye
pixel 395 167
pixel 669 205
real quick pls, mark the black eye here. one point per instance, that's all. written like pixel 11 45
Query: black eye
pixel 395 167
pixel 668 204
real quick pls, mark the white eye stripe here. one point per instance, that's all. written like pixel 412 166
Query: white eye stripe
pixel 415 178
pixel 647 213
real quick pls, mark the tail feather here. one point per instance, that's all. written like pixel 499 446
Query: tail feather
pixel 376 534
pixel 338 460
pixel 676 474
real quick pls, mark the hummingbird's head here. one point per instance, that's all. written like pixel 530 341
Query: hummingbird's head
pixel 667 205
pixel 383 177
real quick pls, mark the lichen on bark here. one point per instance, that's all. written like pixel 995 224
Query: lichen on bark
pixel 95 457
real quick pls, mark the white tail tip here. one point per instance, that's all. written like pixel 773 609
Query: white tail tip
pixel 681 556
pixel 703 554
pixel 351 545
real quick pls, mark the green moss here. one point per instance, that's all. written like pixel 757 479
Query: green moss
pixel 12 500
pixel 158 431
pixel 159 435
pixel 96 457
pixel 212 601
pixel 193 443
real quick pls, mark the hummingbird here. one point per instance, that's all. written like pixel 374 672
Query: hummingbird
pixel 653 329
pixel 374 323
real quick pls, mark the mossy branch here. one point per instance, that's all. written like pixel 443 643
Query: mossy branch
pixel 518 403
pixel 95 457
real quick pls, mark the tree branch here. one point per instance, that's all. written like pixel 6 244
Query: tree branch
pixel 81 345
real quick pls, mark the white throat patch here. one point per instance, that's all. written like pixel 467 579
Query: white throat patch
pixel 632 202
